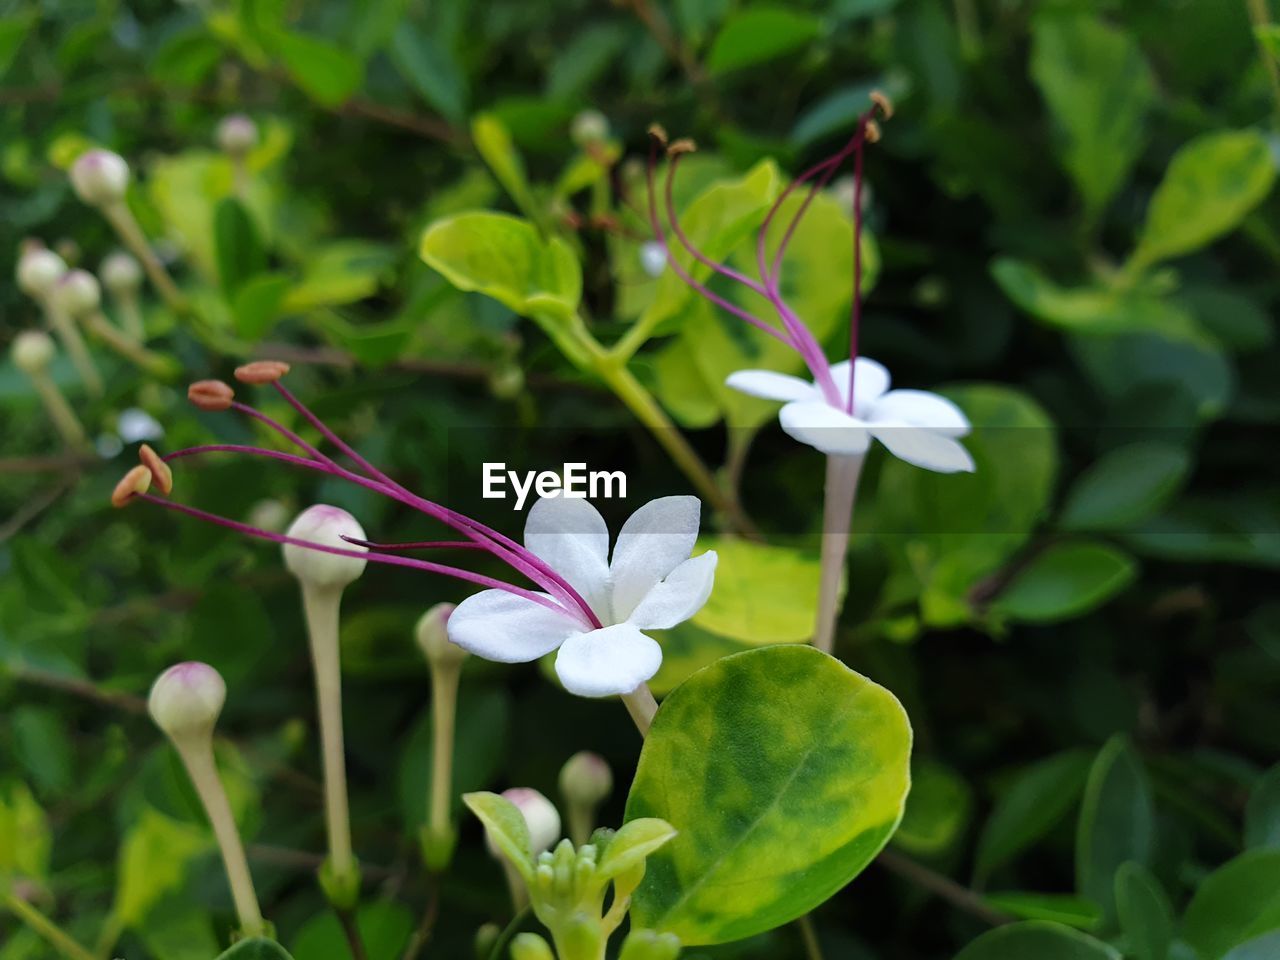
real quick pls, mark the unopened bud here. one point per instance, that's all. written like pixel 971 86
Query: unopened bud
pixel 530 946
pixel 121 274
pixel 161 474
pixel 540 816
pixel 589 126
pixel 326 526
pixel 237 135
pixel 39 269
pixel 262 371
pixel 185 701
pixel 486 937
pixel 270 515
pixel 32 351
pixel 100 177
pixel 77 293
pixel 136 481
pixel 653 258
pixel 211 395
pixel 586 779
pixel 433 637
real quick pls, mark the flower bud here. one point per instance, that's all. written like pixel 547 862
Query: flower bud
pixel 540 815
pixel 77 293
pixel 32 351
pixel 326 526
pixel 100 177
pixel 38 271
pixel 486 936
pixel 649 945
pixel 586 779
pixel 433 638
pixel 186 699
pixel 589 126
pixel 653 258
pixel 271 515
pixel 121 274
pixel 237 135
pixel 530 946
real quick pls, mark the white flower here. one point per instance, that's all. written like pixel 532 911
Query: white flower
pixel 651 584
pixel 917 426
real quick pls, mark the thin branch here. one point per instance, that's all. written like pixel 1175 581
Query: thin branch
pixel 959 896
pixel 85 689
pixel 429 127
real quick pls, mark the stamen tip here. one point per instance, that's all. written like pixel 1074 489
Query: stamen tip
pixel 161 473
pixel 683 145
pixel 211 395
pixel 262 371
pixel 136 481
pixel 881 100
pixel 658 132
pixel 873 132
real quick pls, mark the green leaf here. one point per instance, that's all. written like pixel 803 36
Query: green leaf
pixel 763 593
pixel 938 810
pixel 505 258
pixel 1037 940
pixel 256 948
pixel 339 273
pixel 1127 485
pixel 632 845
pixel 1034 804
pixel 43 748
pixel 1211 184
pixel 1262 813
pixel 431 69
pixel 1098 88
pixel 1117 823
pixel 1065 580
pixel 237 245
pixel 1236 903
pixel 1265 947
pixel 784 772
pixel 154 858
pixel 760 34
pixel 505 826
pixel 325 72
pixel 384 925
pixel 186 58
pixel 1145 914
pixel 258 303
pixel 13 31
pixel 25 838
pixel 493 142
pixel 1055 907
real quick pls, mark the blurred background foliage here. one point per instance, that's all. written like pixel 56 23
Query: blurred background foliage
pixel 1074 235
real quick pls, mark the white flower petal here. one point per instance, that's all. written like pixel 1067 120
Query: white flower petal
pixel 677 598
pixel 822 426
pixel 571 536
pixel 501 626
pixel 771 386
pixel 922 408
pixel 923 447
pixel 607 662
pixel 870 381
pixel 655 540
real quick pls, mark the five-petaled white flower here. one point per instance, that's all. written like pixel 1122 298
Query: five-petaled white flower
pixel 917 426
pixel 652 583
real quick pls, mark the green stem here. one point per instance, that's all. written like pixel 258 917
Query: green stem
pixel 56 937
pixel 126 227
pixel 837 519
pixel 812 947
pixel 512 928
pixel 444 706
pixel 65 327
pixel 55 405
pixel 129 348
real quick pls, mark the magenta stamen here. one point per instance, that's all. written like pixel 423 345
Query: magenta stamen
pixel 855 309
pixel 389 559
pixel 281 429
pixel 330 435
pixel 416 544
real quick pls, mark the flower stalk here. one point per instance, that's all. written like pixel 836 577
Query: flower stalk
pixel 444 660
pixel 50 932
pixel 123 222
pixel 32 352
pixel 642 707
pixel 837 521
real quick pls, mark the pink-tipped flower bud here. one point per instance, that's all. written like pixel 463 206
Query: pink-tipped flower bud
pixel 237 135
pixel 121 274
pixel 77 293
pixel 586 779
pixel 326 526
pixel 589 126
pixel 100 177
pixel 32 351
pixel 39 269
pixel 186 700
pixel 433 637
pixel 540 816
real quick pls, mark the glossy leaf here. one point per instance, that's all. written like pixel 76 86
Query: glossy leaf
pixel 1117 823
pixel 759 34
pixel 1145 914
pixel 1037 940
pixel 632 844
pixel 1065 580
pixel 784 773
pixel 1126 486
pixel 325 71
pixel 1238 902
pixel 505 826
pixel 1211 184
pixel 762 594
pixel 1068 910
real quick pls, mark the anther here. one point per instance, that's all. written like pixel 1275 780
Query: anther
pixel 658 132
pixel 136 481
pixel 683 145
pixel 211 395
pixel 161 474
pixel 881 100
pixel 873 132
pixel 262 371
